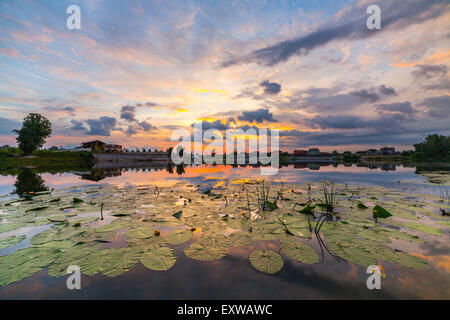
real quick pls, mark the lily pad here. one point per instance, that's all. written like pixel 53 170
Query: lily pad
pixel 141 232
pixel 208 248
pixel 424 228
pixel 10 241
pixel 121 214
pixel 178 214
pixel 57 218
pixel 299 251
pixel 178 237
pixel 159 259
pixel 24 263
pixel 113 226
pixel 380 212
pixel 268 261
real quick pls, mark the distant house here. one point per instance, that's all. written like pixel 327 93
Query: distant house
pixel 96 146
pixel 347 153
pixel 313 152
pixel 299 153
pixel 372 152
pixel 80 149
pixel 113 148
pixel 387 151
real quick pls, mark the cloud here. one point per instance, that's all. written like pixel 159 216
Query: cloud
pixel 95 127
pixel 138 127
pixel 8 125
pixel 366 96
pixel 146 126
pixel 257 116
pixel 218 125
pixel 128 113
pixel 400 107
pixel 69 110
pixel 426 71
pixel 147 104
pixel 270 87
pixel 432 77
pixel 438 107
pixel 337 122
pixel 77 125
pixel 387 91
pixel 349 24
pixel 295 138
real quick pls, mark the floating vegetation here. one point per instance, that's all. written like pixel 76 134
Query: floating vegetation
pixel 266 261
pixel 10 241
pixel 208 248
pixel 424 228
pixel 357 225
pixel 159 258
pixel 362 206
pixel 178 237
pixel 380 212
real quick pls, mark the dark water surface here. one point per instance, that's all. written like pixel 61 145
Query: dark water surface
pixel 233 277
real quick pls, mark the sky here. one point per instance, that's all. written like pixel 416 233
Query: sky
pixel 137 70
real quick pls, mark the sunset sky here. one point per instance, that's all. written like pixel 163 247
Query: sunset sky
pixel 137 70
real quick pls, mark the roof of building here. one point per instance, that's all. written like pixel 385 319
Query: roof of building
pixel 94 142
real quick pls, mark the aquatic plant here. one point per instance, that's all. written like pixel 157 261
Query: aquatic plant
pixel 152 224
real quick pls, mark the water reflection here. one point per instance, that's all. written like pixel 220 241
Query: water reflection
pixel 383 174
pixel 28 182
pixel 98 174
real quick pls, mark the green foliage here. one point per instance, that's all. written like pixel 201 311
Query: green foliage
pixel 351 158
pixel 35 129
pixel 11 161
pixel 434 147
pixel 10 152
pixel 380 212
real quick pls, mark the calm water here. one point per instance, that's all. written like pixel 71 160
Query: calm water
pixel 233 277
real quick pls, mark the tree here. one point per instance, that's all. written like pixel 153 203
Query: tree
pixel 35 129
pixel 434 147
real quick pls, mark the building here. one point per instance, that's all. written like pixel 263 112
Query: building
pixel 387 151
pixel 113 148
pixel 299 153
pixel 372 152
pixel 96 146
pixel 314 152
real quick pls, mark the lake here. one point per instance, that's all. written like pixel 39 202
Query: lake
pixel 232 276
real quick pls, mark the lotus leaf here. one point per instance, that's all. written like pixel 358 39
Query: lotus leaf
pixel 159 259
pixel 268 261
pixel 178 237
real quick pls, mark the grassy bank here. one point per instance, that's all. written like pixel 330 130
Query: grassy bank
pixel 13 158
